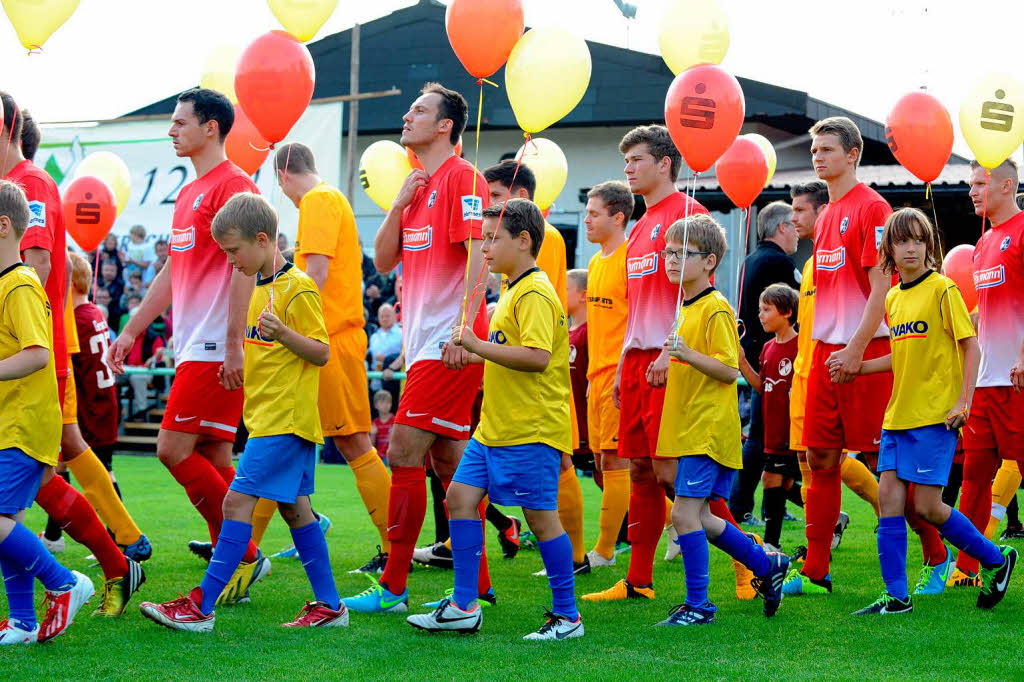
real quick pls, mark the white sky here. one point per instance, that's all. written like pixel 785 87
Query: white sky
pixel 113 56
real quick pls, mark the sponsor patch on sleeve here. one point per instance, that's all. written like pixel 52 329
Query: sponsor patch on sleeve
pixel 36 214
pixel 879 229
pixel 472 207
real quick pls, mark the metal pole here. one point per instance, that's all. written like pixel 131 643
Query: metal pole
pixel 353 116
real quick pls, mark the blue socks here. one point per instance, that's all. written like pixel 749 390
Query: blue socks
pixel 696 558
pixel 19 585
pixel 227 555
pixel 312 548
pixel 467 545
pixel 22 548
pixel 557 557
pixel 892 554
pixel 736 544
pixel 961 532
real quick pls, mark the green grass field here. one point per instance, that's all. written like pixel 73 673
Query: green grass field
pixel 811 637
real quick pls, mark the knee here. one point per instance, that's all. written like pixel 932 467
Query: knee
pixel 641 470
pixel 289 513
pixel 168 457
pixel 460 502
pixel 233 504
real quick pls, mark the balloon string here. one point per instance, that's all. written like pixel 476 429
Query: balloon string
pixel 960 360
pixel 96 272
pixel 682 269
pixel 273 281
pixel 261 149
pixel 35 49
pixel 476 161
pixel 743 267
pixel 984 201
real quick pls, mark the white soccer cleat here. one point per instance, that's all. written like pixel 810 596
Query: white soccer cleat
pixel 597 560
pixel 448 617
pixel 53 546
pixel 62 606
pixel 673 549
pixel 11 634
pixel 557 627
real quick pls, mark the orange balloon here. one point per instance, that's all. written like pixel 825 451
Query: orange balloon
pixel 742 171
pixel 483 32
pixel 920 134
pixel 414 160
pixel 90 209
pixel 274 82
pixel 959 267
pixel 704 113
pixel 244 145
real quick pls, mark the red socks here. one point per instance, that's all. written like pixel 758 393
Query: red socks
pixel 407 506
pixel 483 582
pixel 646 524
pixel 79 520
pixel 226 473
pixel 980 468
pixel 932 547
pixel 720 509
pixel 822 510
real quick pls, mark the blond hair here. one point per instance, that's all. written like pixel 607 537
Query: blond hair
pixel 247 213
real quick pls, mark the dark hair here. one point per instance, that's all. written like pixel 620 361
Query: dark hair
pixel 295 157
pixel 907 223
pixel 210 105
pixel 504 172
pixel 659 144
pixel 816 192
pixel 13 117
pixel 520 215
pixel 453 107
pixel 30 136
pixel 617 196
pixel 785 298
pixel 702 231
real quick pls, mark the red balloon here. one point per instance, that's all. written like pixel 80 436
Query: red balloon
pixel 742 171
pixel 274 82
pixel 920 134
pixel 704 113
pixel 90 209
pixel 959 267
pixel 483 32
pixel 414 160
pixel 244 144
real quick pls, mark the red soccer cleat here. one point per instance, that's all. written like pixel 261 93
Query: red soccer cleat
pixel 179 614
pixel 61 607
pixel 317 614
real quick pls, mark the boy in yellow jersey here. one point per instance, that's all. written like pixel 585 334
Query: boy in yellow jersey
pixel 515 453
pixel 30 422
pixel 609 208
pixel 927 319
pixel 700 425
pixel 285 347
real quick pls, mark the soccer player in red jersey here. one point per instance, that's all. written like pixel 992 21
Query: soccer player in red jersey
pixel 210 301
pixel 995 430
pixel 652 166
pixel 437 212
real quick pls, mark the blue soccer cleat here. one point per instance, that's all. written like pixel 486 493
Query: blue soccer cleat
pixel 933 578
pixel 684 614
pixel 797 583
pixel 140 550
pixel 377 599
pixel 291 552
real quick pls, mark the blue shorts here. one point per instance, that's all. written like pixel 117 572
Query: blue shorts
pixel 514 475
pixel 923 455
pixel 700 476
pixel 278 468
pixel 20 476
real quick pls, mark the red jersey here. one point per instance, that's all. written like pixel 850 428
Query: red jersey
pixel 776 379
pixel 651 297
pixel 579 361
pixel 847 235
pixel 382 435
pixel 97 392
pixel 999 279
pixel 443 214
pixel 46 231
pixel 200 272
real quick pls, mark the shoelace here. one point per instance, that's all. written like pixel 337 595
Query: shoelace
pixel 550 623
pixel 306 614
pixel 48 600
pixel 372 589
pixel 108 592
pixel 926 576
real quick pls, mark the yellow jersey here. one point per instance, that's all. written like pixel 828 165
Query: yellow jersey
pixel 280 387
pixel 30 414
pixel 551 261
pixel 70 329
pixel 327 227
pixel 607 308
pixel 528 407
pixel 927 318
pixel 700 416
pixel 805 322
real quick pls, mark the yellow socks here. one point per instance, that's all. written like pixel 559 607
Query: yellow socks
pixel 805 473
pixel 99 490
pixel 570 511
pixel 1004 487
pixel 614 505
pixel 373 481
pixel 858 478
pixel 261 515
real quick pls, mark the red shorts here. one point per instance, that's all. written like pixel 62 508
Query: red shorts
pixel 996 422
pixel 440 400
pixel 640 416
pixel 199 404
pixel 847 416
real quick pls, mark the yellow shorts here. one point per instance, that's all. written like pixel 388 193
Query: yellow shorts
pixel 602 415
pixel 344 394
pixel 797 408
pixel 69 409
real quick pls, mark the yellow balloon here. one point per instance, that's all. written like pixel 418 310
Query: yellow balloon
pixel 546 76
pixel 548 163
pixel 219 71
pixel 383 168
pixel 693 32
pixel 769 153
pixel 302 18
pixel 992 118
pixel 36 20
pixel 111 169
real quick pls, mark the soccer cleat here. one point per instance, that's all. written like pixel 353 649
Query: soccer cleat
pixel 994 581
pixel 769 587
pixel 509 539
pixel 179 614
pixel 118 591
pixel 1014 532
pixel 62 606
pixel 841 524
pixel 623 548
pixel 886 605
pixel 527 540
pixel 596 559
pixel 140 550
pixel 448 617
pixel 292 553
pixel 317 614
pixel 377 599
pixel 557 627
pixel 246 575
pixel 203 550
pixel 10 633
pixel 799 555
pixel 374 566
pixel 53 546
pixel 672 551
pixel 486 599
pixel 933 578
pixel 961 579
pixel 744 590
pixel 436 555
pixel 769 547
pixel 789 517
pixel 620 591
pixel 578 568
pixel 750 520
pixel 683 614
pixel 797 583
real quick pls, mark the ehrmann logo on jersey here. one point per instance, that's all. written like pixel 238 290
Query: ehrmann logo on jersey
pixel 183 239
pixel 831 260
pixel 990 277
pixel 417 238
pixel 641 266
